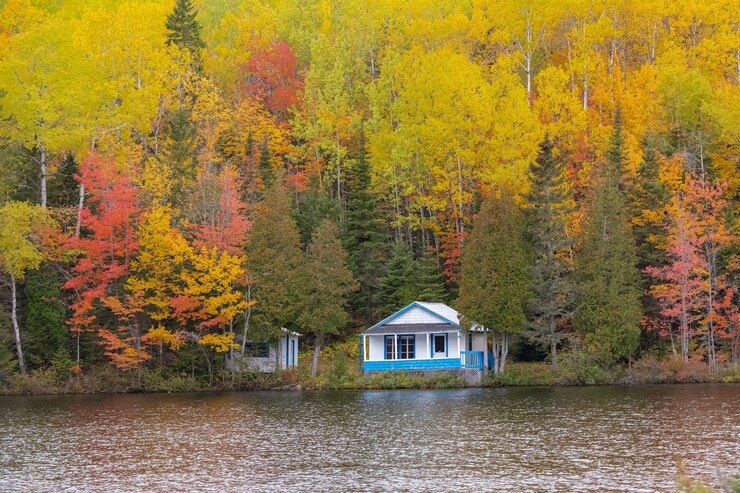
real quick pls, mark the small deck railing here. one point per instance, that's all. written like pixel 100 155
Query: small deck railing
pixel 471 359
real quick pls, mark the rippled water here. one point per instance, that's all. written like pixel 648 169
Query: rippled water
pixel 564 439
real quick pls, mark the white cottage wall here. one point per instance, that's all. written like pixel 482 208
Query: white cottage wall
pixel 479 341
pixel 377 347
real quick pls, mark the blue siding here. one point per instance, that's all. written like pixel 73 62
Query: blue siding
pixel 413 364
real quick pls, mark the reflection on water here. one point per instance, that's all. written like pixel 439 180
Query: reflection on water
pixel 565 439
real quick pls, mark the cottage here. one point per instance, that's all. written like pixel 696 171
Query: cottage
pixel 267 357
pixel 425 337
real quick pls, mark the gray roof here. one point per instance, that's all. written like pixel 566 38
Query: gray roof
pixel 411 329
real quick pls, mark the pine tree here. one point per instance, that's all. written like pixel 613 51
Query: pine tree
pixel 275 265
pixel 495 273
pixel 608 313
pixel 330 284
pixel 397 287
pixel 648 199
pixel 365 237
pixel 552 303
pixel 266 173
pixel 183 30
pixel 430 284
pixel 45 316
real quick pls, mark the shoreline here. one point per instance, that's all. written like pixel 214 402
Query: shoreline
pixel 104 381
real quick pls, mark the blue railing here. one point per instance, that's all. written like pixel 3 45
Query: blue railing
pixel 471 359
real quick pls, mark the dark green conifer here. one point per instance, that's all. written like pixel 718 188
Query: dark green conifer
pixel 45 317
pixel 430 284
pixel 608 310
pixel 365 237
pixel 397 285
pixel 549 204
pixel 276 265
pixel 183 30
pixel 495 273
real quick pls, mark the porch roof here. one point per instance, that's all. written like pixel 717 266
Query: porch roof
pixel 411 329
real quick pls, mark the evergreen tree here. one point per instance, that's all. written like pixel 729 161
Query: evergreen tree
pixel 45 317
pixel 549 200
pixel 183 30
pixel 648 198
pixel 495 273
pixel 179 151
pixel 329 285
pixel 365 237
pixel 396 287
pixel 275 264
pixel 314 206
pixel 430 284
pixel 609 312
pixel 266 173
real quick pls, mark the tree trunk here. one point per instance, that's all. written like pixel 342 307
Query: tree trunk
pixel 80 206
pixel 316 352
pixel 16 329
pixel 44 175
pixel 504 352
pixel 247 315
pixel 553 341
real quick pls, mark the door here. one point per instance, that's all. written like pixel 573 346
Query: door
pixel 440 345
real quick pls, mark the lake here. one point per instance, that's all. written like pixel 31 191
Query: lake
pixel 514 439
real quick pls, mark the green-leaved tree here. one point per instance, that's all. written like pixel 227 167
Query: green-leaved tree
pixel 495 273
pixel 329 285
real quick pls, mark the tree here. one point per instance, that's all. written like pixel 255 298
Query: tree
pixel 45 316
pixel 365 236
pixel 648 198
pixel 552 303
pixel 21 228
pixel 609 312
pixel 430 283
pixel 183 30
pixel 396 287
pixel 275 265
pixel 495 276
pixel 105 250
pixel 330 283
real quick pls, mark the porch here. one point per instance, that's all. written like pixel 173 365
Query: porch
pixel 467 359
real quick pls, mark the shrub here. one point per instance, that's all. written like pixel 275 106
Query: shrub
pixel 522 375
pixel 162 380
pixel 580 368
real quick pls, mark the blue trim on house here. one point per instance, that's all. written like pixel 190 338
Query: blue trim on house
pixel 360 352
pixel 409 307
pixel 447 344
pixel 292 348
pixel 413 364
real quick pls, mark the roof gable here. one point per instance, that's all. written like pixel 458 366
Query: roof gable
pixel 422 313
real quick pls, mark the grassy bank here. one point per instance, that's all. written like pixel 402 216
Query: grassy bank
pixel 338 369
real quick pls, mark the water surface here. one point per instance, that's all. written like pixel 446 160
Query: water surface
pixel 529 439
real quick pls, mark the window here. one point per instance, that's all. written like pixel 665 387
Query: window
pixel 258 349
pixel 470 341
pixel 406 347
pixel 440 343
pixel 389 347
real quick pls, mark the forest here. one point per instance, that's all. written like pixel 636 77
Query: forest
pixel 179 177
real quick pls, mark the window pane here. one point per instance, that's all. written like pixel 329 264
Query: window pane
pixel 389 348
pixel 439 343
pixel 406 345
